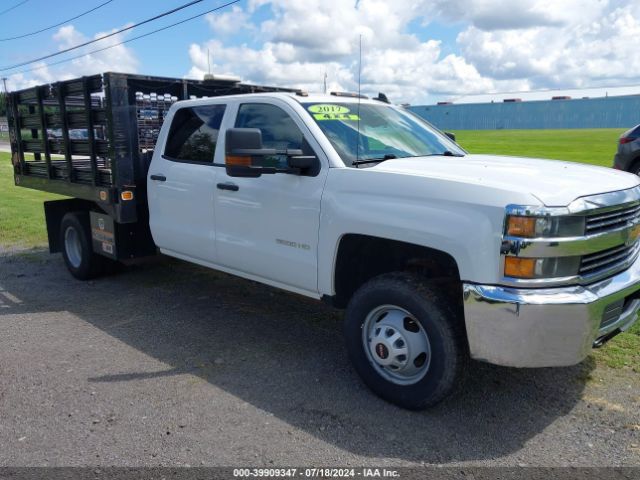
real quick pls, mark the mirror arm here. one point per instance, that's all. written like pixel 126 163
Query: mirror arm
pixel 253 151
pixel 293 152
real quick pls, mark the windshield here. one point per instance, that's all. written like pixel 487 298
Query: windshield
pixel 385 132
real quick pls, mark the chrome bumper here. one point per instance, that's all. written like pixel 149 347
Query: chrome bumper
pixel 548 327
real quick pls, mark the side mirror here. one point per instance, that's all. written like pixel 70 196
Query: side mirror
pixel 246 142
pixel 241 145
pixel 452 136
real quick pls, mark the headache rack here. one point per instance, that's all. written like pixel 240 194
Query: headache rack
pixel 92 138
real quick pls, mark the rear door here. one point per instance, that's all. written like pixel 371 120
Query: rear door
pixel 182 183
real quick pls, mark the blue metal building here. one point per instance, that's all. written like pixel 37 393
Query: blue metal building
pixel 604 112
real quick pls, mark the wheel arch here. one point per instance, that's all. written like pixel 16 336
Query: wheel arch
pixel 55 210
pixel 360 258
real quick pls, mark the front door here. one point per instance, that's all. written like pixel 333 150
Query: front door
pixel 268 226
pixel 182 183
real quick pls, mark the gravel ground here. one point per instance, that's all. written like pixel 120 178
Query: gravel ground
pixel 171 364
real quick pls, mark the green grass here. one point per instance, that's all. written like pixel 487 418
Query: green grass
pixel 4 136
pixel 22 216
pixel 623 351
pixel 21 211
pixel 596 147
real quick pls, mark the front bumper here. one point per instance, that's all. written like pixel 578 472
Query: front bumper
pixel 548 327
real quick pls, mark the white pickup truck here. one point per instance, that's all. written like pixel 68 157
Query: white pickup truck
pixel 437 255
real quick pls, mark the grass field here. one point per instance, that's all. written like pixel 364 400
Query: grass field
pixel 21 212
pixel 22 217
pixel 596 147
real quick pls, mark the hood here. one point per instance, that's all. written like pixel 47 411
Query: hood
pixel 554 183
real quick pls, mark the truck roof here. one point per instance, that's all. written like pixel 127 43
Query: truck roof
pixel 300 98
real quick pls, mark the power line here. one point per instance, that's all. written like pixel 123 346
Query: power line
pixel 15 6
pixel 56 25
pixel 127 41
pixel 182 7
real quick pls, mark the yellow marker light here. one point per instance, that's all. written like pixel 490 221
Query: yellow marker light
pixel 521 226
pixel 519 267
pixel 126 195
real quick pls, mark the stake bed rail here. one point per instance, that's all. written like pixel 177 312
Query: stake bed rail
pixel 91 138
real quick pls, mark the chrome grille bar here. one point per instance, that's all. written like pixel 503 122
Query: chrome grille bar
pixel 608 260
pixel 609 220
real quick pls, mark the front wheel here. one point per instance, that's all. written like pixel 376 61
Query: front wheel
pixel 405 341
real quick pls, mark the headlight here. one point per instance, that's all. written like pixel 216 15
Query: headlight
pixel 532 268
pixel 545 227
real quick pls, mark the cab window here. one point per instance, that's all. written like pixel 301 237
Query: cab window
pixel 279 131
pixel 194 134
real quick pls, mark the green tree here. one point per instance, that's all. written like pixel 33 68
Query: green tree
pixel 3 105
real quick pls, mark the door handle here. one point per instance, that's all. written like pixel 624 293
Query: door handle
pixel 228 186
pixel 160 178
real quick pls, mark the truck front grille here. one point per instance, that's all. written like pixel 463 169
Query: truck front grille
pixel 613 219
pixel 613 259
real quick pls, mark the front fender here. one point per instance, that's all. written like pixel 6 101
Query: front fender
pixel 462 220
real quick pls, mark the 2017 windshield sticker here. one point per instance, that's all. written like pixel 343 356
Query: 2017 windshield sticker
pixel 328 108
pixel 328 111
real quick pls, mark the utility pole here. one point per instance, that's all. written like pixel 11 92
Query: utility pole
pixel 4 80
pixel 325 82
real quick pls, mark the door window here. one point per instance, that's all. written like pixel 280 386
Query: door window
pixel 279 131
pixel 194 134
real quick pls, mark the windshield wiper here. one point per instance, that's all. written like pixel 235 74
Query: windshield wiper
pixel 388 156
pixel 446 153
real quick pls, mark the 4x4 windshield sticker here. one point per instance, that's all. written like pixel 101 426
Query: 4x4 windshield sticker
pixel 328 111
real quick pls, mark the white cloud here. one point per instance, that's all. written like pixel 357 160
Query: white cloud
pixel 118 58
pixel 502 46
pixel 577 55
pixel 228 23
pixel 517 14
pixel 304 40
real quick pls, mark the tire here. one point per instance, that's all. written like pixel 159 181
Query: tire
pixel 399 310
pixel 77 251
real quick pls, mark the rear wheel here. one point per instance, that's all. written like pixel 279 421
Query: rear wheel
pixel 405 341
pixel 75 238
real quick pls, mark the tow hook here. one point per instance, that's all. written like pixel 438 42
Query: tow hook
pixel 605 338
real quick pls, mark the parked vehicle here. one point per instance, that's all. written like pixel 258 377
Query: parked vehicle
pixel 628 156
pixel 437 255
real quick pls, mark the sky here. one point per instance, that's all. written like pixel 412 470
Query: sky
pixel 415 51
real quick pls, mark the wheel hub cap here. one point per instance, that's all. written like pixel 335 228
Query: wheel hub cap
pixel 396 344
pixel 73 247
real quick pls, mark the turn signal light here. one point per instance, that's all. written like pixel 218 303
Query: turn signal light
pixel 521 226
pixel 519 267
pixel 126 195
pixel 240 161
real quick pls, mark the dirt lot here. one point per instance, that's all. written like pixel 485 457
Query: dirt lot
pixel 170 364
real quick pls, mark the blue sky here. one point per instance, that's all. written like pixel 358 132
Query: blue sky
pixel 162 54
pixel 416 51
